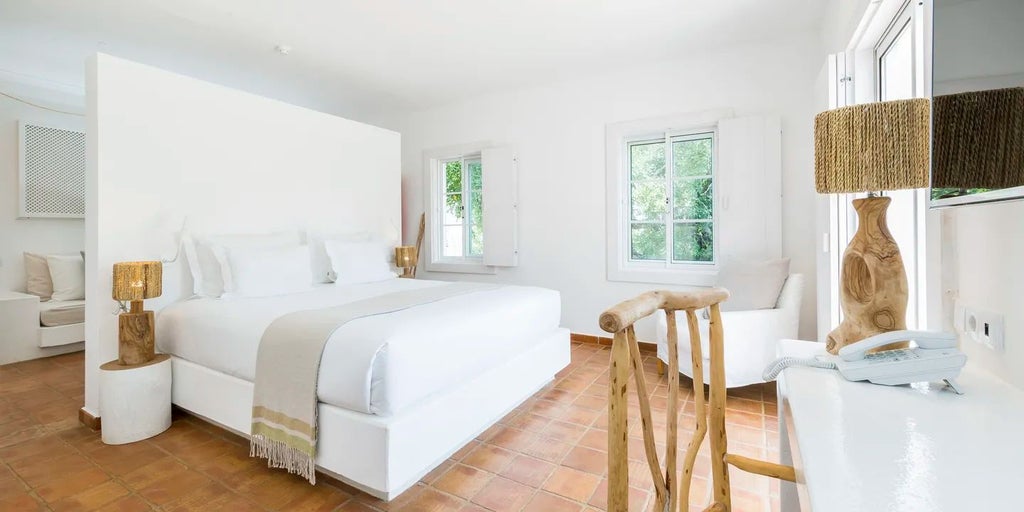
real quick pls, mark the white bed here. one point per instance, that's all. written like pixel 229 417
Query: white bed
pixel 399 392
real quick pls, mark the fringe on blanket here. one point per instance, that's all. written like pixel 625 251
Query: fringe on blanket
pixel 280 455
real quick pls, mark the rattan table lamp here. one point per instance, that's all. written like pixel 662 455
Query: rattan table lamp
pixel 406 259
pixel 135 281
pixel 871 148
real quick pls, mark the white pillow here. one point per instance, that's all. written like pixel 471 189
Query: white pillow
pixel 753 285
pixel 358 261
pixel 268 271
pixel 322 272
pixel 210 274
pixel 68 276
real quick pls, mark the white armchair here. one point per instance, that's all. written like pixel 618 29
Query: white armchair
pixel 750 337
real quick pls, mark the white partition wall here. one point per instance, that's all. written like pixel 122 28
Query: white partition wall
pixel 165 147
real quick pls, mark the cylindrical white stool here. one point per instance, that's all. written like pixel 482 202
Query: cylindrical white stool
pixel 135 401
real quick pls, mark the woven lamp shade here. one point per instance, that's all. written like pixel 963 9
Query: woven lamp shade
pixel 137 280
pixel 405 256
pixel 872 147
pixel 979 139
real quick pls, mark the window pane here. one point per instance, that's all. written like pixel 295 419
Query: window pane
pixel 693 198
pixel 476 178
pixel 647 242
pixel 692 157
pixel 453 209
pixel 647 161
pixel 647 200
pixel 451 243
pixel 897 68
pixel 476 222
pixel 453 176
pixel 693 241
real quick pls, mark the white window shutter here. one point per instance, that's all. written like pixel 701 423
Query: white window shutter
pixel 501 185
pixel 749 180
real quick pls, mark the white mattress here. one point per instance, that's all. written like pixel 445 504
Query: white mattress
pixel 53 313
pixel 422 350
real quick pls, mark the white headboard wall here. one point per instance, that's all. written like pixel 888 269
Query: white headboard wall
pixel 163 147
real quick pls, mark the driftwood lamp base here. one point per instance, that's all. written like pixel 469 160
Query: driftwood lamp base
pixel 874 283
pixel 136 341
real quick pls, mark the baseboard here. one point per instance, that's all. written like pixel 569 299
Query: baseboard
pixel 86 418
pixel 645 346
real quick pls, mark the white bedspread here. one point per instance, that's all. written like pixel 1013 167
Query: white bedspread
pixel 422 350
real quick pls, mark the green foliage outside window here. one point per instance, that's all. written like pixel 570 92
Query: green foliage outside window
pixel 455 214
pixel 692 203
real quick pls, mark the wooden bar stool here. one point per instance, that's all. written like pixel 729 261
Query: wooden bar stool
pixel 619 320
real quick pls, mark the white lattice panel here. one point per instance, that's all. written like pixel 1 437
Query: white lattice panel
pixel 52 166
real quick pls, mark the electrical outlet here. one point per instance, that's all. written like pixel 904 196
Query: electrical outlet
pixel 982 327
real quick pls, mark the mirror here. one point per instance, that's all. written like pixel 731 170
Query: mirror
pixel 977 101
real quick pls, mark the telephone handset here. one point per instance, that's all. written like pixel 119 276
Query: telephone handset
pixel 934 358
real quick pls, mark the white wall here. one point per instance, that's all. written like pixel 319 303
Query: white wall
pixel 164 146
pixel 45 236
pixel 558 132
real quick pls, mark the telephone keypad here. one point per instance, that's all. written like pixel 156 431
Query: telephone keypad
pixel 892 356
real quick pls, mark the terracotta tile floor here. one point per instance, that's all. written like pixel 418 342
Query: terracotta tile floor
pixel 546 455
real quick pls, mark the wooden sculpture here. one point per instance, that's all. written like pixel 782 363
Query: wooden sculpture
pixel 874 294
pixel 626 356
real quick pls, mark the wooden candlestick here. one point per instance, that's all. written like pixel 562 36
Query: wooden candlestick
pixel 874 283
pixel 136 341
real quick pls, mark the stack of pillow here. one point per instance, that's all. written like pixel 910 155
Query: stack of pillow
pixel 265 265
pixel 55 276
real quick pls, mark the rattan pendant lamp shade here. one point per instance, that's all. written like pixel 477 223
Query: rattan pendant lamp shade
pixel 871 148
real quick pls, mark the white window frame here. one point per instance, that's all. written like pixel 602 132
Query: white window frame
pixel 621 266
pixel 668 219
pixel 434 161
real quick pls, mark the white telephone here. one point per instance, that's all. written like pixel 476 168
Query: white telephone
pixel 934 358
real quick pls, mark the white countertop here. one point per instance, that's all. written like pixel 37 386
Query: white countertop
pixel 869 448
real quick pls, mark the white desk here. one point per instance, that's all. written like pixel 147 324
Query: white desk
pixel 860 447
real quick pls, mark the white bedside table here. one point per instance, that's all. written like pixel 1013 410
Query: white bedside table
pixel 135 401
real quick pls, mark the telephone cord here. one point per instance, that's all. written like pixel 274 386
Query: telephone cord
pixel 774 369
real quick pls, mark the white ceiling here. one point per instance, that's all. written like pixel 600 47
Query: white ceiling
pixel 371 54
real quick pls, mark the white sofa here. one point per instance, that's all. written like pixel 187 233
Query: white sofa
pixel 23 335
pixel 750 336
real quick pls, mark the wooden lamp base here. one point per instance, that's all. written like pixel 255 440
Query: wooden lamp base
pixel 874 282
pixel 136 341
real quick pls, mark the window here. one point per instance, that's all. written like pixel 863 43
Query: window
pixel 671 197
pixel 689 191
pixel 458 182
pixel 461 221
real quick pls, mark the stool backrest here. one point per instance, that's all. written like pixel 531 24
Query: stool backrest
pixel 625 355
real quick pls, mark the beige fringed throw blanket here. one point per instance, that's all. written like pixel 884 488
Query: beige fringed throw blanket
pixel 284 422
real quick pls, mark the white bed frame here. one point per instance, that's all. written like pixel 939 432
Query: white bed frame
pixel 385 455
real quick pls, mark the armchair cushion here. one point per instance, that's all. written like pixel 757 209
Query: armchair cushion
pixel 753 285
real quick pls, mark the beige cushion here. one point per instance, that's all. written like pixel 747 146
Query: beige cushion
pixel 68 275
pixel 37 276
pixel 753 284
pixel 61 312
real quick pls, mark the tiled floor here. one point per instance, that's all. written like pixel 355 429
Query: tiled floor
pixel 547 455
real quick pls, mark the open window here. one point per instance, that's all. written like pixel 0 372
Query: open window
pixel 472 194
